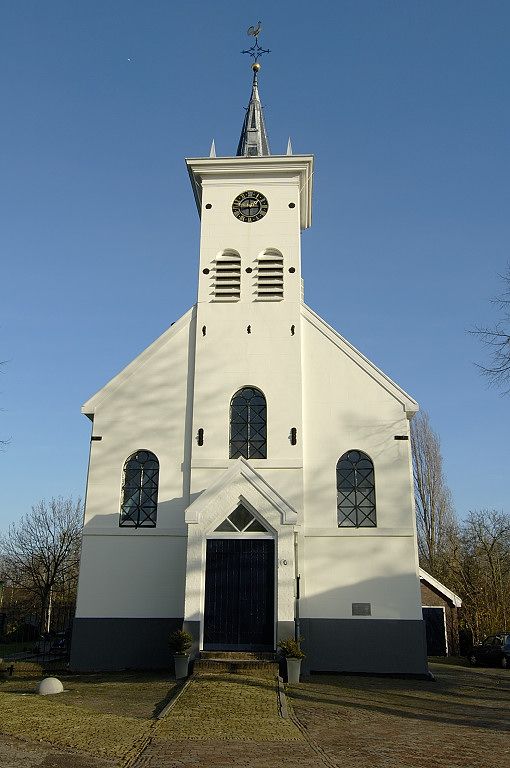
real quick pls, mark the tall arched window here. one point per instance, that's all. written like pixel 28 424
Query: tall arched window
pixel 248 424
pixel 355 485
pixel 140 491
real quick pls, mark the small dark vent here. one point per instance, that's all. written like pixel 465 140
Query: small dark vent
pixel 227 277
pixel 270 276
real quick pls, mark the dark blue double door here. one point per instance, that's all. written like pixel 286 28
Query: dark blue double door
pixel 239 595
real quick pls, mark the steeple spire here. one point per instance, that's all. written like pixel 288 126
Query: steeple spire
pixel 253 139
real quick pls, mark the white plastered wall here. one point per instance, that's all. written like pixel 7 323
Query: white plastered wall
pixel 269 357
pixel 140 572
pixel 347 405
pixel 132 576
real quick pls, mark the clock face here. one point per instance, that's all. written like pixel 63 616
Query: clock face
pixel 250 206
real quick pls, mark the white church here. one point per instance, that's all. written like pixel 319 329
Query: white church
pixel 250 472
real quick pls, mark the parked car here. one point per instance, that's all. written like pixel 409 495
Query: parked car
pixel 495 649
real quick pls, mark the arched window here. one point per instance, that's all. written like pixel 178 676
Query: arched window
pixel 248 424
pixel 140 491
pixel 355 485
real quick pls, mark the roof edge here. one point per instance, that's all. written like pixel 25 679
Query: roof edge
pixel 456 600
pixel 409 403
pixel 88 408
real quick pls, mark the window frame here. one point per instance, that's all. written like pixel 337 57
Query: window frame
pixel 263 434
pixel 363 518
pixel 137 516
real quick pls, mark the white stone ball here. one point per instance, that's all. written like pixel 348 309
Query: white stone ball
pixel 50 685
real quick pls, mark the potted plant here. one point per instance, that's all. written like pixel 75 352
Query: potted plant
pixel 293 654
pixel 180 643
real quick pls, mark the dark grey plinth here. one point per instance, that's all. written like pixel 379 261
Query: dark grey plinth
pixel 109 644
pixel 381 646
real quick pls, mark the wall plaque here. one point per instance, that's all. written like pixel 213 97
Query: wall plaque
pixel 361 609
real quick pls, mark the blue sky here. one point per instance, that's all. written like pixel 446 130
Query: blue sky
pixel 405 105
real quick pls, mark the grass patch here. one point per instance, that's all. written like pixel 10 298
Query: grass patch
pixel 50 719
pixel 130 694
pixel 104 715
pixel 451 661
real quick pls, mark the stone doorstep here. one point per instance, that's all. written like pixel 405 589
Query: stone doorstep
pixel 242 655
pixel 248 667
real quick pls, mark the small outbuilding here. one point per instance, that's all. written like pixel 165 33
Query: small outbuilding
pixel 440 608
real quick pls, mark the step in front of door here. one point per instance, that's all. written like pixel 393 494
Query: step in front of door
pixel 247 655
pixel 246 667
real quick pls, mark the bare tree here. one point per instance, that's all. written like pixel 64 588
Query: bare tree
pixel 40 553
pixel 435 517
pixel 497 339
pixel 479 570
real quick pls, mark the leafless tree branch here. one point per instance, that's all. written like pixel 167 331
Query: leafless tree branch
pixel 41 552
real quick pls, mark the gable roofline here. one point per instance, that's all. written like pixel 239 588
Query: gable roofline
pixel 456 600
pixel 241 468
pixel 89 407
pixel 409 404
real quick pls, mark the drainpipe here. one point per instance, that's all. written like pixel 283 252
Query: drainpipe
pixel 297 628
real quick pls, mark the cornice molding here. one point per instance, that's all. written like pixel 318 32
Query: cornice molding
pixel 203 169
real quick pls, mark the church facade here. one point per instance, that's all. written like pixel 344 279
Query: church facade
pixel 250 472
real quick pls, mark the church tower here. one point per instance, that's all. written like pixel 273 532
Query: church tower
pixel 253 208
pixel 250 472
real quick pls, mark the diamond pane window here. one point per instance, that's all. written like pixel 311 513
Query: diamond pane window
pixel 355 485
pixel 241 520
pixel 140 491
pixel 248 424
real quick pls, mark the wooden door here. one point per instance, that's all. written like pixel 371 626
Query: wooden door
pixel 435 628
pixel 239 594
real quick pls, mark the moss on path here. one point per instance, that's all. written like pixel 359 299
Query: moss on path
pixel 230 707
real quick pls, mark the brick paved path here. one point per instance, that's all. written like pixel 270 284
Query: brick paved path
pixel 460 721
pixel 225 720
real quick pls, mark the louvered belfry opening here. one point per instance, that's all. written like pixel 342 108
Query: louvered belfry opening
pixel 270 275
pixel 227 276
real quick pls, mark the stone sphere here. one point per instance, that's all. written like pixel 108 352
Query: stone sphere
pixel 50 685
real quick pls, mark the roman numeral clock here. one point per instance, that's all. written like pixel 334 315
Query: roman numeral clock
pixel 250 206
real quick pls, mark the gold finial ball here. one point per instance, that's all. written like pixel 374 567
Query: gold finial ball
pixel 255 66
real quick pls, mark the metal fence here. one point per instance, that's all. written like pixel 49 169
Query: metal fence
pixel 27 633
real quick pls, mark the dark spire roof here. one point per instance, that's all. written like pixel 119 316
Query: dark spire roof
pixel 253 140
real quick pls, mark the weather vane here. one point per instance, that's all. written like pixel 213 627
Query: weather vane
pixel 256 51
